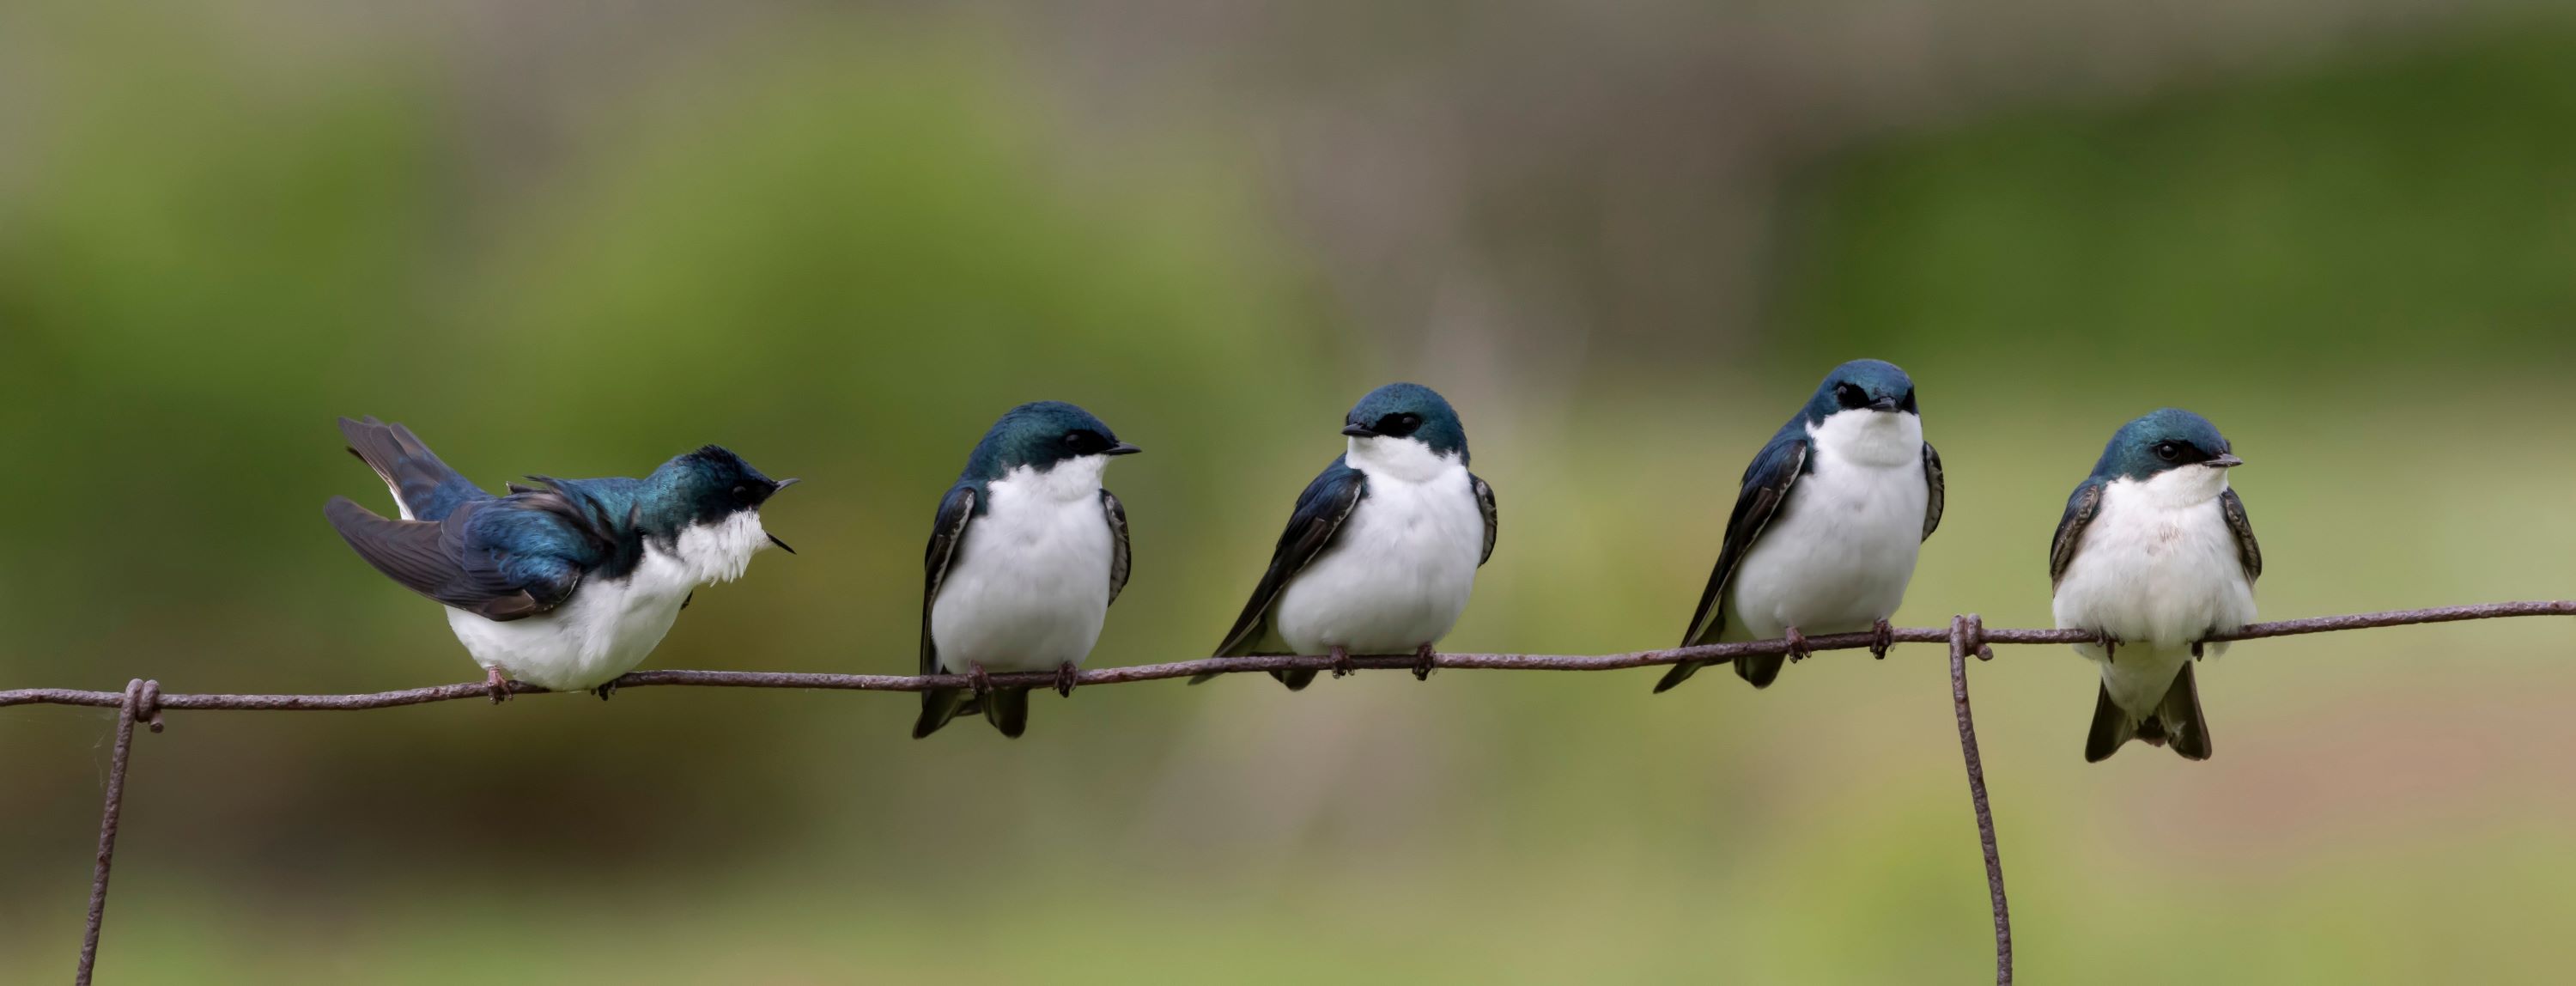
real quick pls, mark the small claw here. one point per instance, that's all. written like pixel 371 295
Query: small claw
pixel 978 679
pixel 496 685
pixel 605 690
pixel 2110 648
pixel 1885 638
pixel 1797 645
pixel 1423 662
pixel 1064 678
pixel 1342 662
pixel 2195 650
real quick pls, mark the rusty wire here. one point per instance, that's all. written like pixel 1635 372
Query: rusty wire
pixel 142 701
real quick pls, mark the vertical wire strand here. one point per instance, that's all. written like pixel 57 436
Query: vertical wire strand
pixel 1967 637
pixel 138 694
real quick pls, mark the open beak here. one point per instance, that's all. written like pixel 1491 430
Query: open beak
pixel 773 539
pixel 2224 462
pixel 1358 431
pixel 1122 448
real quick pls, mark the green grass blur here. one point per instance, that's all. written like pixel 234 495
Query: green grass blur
pixel 842 248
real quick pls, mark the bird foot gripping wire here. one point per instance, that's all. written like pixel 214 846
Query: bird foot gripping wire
pixel 1342 662
pixel 1065 676
pixel 497 686
pixel 1797 644
pixel 1882 637
pixel 978 679
pixel 1423 662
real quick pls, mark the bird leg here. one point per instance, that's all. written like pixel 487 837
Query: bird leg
pixel 1422 663
pixel 2110 647
pixel 1342 661
pixel 1884 637
pixel 605 689
pixel 1797 644
pixel 1064 675
pixel 496 686
pixel 979 679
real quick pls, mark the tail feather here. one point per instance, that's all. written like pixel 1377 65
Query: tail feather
pixel 1679 673
pixel 1295 680
pixel 1008 710
pixel 2177 722
pixel 939 705
pixel 423 487
pixel 1760 669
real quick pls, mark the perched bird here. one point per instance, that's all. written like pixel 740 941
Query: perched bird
pixel 1827 525
pixel 2154 554
pixel 1382 549
pixel 565 585
pixel 1025 557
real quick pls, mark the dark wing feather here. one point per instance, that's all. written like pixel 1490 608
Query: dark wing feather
pixel 2247 552
pixel 955 511
pixel 1118 557
pixel 1931 479
pixel 1321 509
pixel 446 562
pixel 1493 522
pixel 2080 508
pixel 1766 486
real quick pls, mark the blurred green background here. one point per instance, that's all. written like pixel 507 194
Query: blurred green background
pixel 1625 239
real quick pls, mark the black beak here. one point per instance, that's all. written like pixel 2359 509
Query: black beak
pixel 783 484
pixel 2224 461
pixel 1883 404
pixel 1122 448
pixel 1358 431
pixel 773 539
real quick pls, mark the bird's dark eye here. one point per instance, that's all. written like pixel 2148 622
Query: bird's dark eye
pixel 2168 451
pixel 1850 395
pixel 1907 405
pixel 741 492
pixel 1084 441
pixel 1398 425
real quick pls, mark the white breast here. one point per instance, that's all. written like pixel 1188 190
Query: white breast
pixel 1837 556
pixel 1399 572
pixel 1028 587
pixel 611 625
pixel 2157 568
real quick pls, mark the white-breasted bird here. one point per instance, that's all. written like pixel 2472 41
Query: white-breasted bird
pixel 1026 554
pixel 2154 553
pixel 1381 552
pixel 1827 525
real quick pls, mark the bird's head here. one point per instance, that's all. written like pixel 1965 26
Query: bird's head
pixel 1043 436
pixel 2167 441
pixel 712 488
pixel 1402 421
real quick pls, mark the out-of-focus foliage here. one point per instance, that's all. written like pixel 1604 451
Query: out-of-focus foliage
pixel 841 246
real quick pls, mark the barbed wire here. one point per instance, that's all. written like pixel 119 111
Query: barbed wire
pixel 143 701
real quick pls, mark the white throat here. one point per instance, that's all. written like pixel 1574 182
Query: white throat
pixel 2182 486
pixel 1077 478
pixel 1408 459
pixel 720 551
pixel 1870 438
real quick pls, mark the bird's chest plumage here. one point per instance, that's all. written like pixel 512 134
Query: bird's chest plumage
pixel 1837 556
pixel 1398 573
pixel 605 630
pixel 610 625
pixel 1028 588
pixel 2155 570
